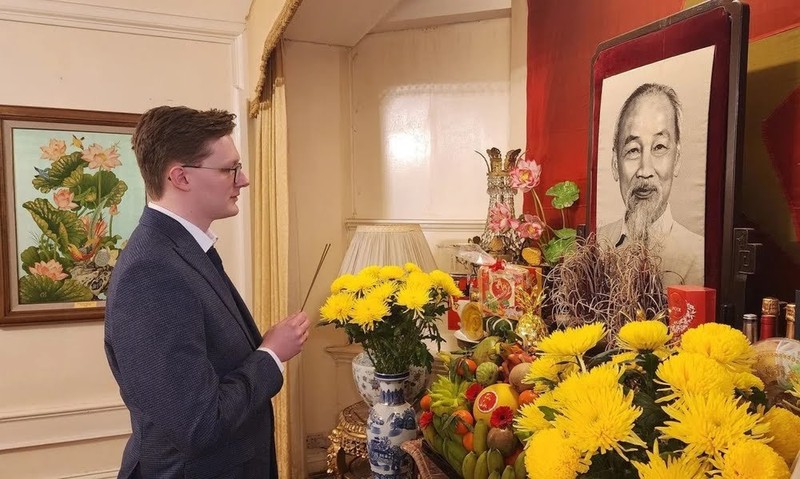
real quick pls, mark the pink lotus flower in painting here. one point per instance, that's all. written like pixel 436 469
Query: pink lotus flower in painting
pixel 500 218
pixel 54 150
pixel 101 158
pixel 526 175
pixel 99 227
pixel 63 199
pixel 531 227
pixel 51 269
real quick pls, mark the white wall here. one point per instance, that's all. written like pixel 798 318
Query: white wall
pixel 60 412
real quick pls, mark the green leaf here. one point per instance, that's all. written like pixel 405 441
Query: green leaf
pixel 548 413
pixel 102 187
pixel 566 233
pixel 564 194
pixel 63 227
pixel 41 289
pixel 59 171
pixel 556 248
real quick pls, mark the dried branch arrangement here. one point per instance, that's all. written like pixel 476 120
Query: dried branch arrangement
pixel 600 283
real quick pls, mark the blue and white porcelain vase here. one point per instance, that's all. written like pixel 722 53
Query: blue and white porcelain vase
pixel 391 422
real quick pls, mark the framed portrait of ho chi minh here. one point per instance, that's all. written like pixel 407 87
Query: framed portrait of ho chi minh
pixel 70 196
pixel 664 152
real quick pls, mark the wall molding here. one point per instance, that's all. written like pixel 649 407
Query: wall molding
pixel 91 17
pixel 50 426
pixel 426 224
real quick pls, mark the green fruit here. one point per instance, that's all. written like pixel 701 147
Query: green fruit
pixel 479 435
pixel 455 453
pixel 438 444
pixel 519 466
pixel 481 467
pixel 486 350
pixel 494 475
pixel 495 461
pixel 486 373
pixel 508 473
pixel 468 465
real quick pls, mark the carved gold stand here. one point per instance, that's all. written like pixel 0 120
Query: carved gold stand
pixel 347 454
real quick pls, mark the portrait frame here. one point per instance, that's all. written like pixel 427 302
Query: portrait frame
pixel 70 193
pixel 723 25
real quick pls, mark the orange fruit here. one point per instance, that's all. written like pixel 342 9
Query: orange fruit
pixel 467 441
pixel 425 402
pixel 464 421
pixel 527 397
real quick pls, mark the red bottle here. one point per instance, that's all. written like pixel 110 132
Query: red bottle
pixel 767 326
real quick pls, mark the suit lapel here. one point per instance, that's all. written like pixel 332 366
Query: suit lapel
pixel 190 251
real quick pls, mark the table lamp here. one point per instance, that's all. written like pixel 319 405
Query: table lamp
pixel 390 244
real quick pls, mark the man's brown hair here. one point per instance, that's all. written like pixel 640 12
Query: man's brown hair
pixel 168 134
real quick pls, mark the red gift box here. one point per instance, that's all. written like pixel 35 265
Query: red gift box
pixel 497 285
pixel 689 307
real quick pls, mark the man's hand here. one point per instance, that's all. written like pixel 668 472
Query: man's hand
pixel 286 338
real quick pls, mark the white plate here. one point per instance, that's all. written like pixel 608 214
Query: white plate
pixel 462 337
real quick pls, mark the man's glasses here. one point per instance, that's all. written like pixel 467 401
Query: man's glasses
pixel 236 169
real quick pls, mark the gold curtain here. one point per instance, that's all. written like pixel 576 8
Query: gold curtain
pixel 270 222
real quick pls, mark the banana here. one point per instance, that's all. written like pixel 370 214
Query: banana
pixel 495 461
pixel 508 473
pixel 457 453
pixel 430 435
pixel 494 475
pixel 479 433
pixel 468 465
pixel 481 468
pixel 519 466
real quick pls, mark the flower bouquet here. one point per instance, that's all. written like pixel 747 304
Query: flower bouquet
pixel 390 311
pixel 532 230
pixel 648 409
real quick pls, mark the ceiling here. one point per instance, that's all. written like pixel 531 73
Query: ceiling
pixel 345 22
pixel 332 22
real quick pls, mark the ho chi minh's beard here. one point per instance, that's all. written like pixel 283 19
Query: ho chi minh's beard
pixel 642 212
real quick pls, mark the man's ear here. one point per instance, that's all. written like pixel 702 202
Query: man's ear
pixel 677 161
pixel 614 166
pixel 176 175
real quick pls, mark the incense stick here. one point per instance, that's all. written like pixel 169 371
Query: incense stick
pixel 314 279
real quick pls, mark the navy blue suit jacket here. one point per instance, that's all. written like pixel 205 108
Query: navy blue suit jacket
pixel 185 359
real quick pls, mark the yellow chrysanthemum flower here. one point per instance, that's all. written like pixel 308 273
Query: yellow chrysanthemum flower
pixel 367 311
pixel 745 381
pixel 391 272
pixel 530 418
pixel 382 291
pixel 784 427
pixel 711 423
pixel 604 376
pixel 444 281
pixel 337 308
pixel 419 280
pixel 343 283
pixel 644 336
pixel 722 343
pixel 599 420
pixel 363 281
pixel 626 360
pixel 413 298
pixel 549 454
pixel 692 373
pixel 572 341
pixel 751 460
pixel 371 271
pixel 411 267
pixel 545 371
pixel 683 467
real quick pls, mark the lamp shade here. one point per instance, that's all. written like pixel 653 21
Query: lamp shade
pixel 383 245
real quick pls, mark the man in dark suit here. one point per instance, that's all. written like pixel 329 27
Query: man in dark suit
pixel 192 367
